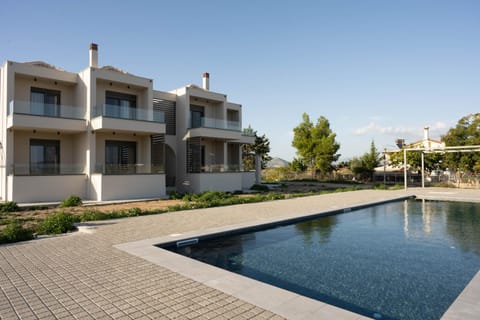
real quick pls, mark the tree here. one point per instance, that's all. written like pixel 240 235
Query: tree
pixel 297 165
pixel 466 132
pixel 316 144
pixel 261 146
pixel 432 161
pixel 364 167
pixel 371 159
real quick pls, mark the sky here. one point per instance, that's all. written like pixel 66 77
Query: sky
pixel 378 70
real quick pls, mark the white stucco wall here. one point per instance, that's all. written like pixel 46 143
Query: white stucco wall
pixel 122 187
pixel 29 189
pixel 104 85
pixel 248 179
pixel 223 181
pixel 23 85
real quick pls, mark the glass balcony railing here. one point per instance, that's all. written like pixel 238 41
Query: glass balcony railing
pixel 45 110
pixel 119 112
pixel 121 169
pixel 46 169
pixel 216 168
pixel 216 124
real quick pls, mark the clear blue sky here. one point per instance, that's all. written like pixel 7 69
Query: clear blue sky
pixel 377 70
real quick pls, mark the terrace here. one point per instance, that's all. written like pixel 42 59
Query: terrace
pixel 46 278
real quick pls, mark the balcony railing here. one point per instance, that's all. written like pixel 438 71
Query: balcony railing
pixel 215 168
pixel 123 169
pixel 46 169
pixel 119 112
pixel 45 109
pixel 217 124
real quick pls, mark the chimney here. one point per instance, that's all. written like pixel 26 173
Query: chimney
pixel 425 133
pixel 426 143
pixel 93 55
pixel 206 81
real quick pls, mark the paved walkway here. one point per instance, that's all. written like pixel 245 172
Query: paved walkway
pixel 83 276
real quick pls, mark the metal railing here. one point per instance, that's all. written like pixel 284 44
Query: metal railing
pixel 126 169
pixel 217 168
pixel 46 169
pixel 45 109
pixel 217 124
pixel 119 112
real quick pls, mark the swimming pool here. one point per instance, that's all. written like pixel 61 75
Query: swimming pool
pixel 402 260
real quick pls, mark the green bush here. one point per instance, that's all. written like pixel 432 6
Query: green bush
pixel 9 206
pixel 59 222
pixel 71 201
pixel 132 212
pixel 174 195
pixel 209 196
pixel 92 215
pixel 14 232
pixel 389 187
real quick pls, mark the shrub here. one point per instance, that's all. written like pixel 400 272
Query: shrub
pixel 210 196
pixel 9 206
pixel 71 201
pixel 14 232
pixel 92 215
pixel 132 212
pixel 174 195
pixel 59 222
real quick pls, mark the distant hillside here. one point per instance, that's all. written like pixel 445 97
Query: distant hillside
pixel 277 163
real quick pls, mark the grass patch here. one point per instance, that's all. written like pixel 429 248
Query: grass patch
pixel 391 187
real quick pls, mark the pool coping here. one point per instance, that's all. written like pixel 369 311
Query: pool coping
pixel 280 301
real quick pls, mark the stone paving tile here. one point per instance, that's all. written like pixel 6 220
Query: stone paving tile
pixel 82 276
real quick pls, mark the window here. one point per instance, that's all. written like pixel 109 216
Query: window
pixel 197 114
pixel 120 157
pixel 120 105
pixel 157 147
pixel 45 102
pixel 195 155
pixel 44 157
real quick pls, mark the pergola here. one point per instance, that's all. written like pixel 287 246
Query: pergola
pixel 473 148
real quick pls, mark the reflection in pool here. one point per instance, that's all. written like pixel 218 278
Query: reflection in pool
pixel 401 260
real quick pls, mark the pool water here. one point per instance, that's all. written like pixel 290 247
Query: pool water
pixel 400 260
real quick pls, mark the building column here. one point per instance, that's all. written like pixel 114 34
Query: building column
pixel 258 168
pixel 225 156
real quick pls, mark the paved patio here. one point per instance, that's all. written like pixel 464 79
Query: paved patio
pixel 85 276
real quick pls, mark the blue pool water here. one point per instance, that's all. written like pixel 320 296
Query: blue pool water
pixel 401 260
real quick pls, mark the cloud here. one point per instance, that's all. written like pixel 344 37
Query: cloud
pixel 436 129
pixel 386 130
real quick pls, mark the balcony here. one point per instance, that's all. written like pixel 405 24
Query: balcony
pixel 214 123
pixel 50 117
pixel 118 118
pixel 215 129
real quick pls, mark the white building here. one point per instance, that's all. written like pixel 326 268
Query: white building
pixel 104 134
